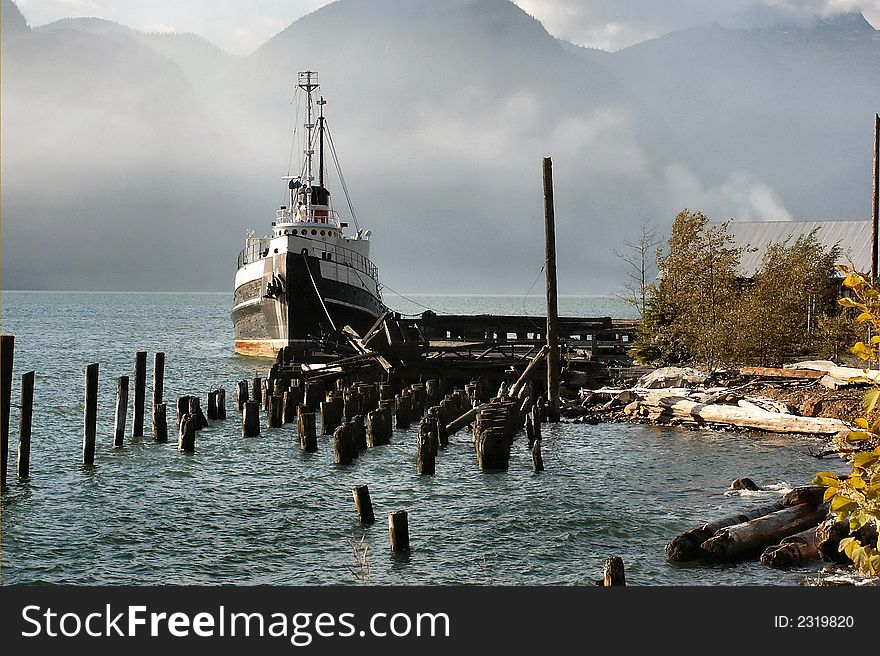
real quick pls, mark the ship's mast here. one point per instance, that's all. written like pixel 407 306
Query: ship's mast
pixel 321 103
pixel 308 82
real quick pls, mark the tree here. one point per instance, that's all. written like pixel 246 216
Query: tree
pixel 855 497
pixel 793 291
pixel 640 259
pixel 688 311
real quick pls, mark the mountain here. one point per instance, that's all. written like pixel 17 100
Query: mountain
pixel 135 160
pixel 12 22
pixel 788 103
pixel 199 59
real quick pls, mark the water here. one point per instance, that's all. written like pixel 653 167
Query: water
pixel 258 511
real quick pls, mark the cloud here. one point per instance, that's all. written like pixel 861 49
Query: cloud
pixel 740 196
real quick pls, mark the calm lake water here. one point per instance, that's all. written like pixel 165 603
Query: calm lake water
pixel 258 511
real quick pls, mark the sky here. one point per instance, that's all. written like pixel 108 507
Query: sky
pixel 240 27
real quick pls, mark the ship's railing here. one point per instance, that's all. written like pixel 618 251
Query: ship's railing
pixel 322 217
pixel 355 260
pixel 254 250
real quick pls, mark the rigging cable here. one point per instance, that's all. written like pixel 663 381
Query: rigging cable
pixel 341 177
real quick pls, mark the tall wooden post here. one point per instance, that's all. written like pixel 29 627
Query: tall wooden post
pixel 90 414
pixel 158 378
pixel 140 392
pixel 875 199
pixel 7 350
pixel 24 424
pixel 121 410
pixel 552 310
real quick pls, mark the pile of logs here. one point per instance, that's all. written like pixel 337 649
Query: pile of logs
pixel 784 534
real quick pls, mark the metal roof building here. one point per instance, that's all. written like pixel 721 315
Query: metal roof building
pixel 852 235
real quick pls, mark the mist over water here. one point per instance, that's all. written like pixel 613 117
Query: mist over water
pixel 258 511
pixel 136 161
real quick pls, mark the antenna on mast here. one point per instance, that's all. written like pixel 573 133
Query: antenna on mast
pixel 321 103
pixel 308 82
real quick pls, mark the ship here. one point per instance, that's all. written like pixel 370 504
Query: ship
pixel 299 287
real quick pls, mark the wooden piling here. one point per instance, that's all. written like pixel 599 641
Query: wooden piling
pixel 90 414
pixel 265 393
pixel 212 405
pixel 7 351
pixel 140 393
pixel 241 394
pixel 398 531
pixel 275 411
pixel 160 423
pixel 186 434
pixel 121 411
pixel 363 504
pixel 552 309
pixel 344 451
pixel 614 573
pixel 257 394
pixel 308 438
pixel 377 428
pixel 250 419
pixel 875 198
pixel 427 449
pixel 331 417
pixel 289 405
pixel 26 403
pixel 221 403
pixel 432 391
pixel 158 378
pixel 537 458
pixel 195 409
pixel 402 411
pixel 359 432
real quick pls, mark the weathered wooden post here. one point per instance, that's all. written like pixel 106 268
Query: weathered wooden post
pixel 875 200
pixel 90 414
pixel 160 423
pixel 7 350
pixel 288 407
pixel 212 405
pixel 250 419
pixel 386 392
pixel 182 408
pixel 308 435
pixel 398 531
pixel 140 393
pixel 537 458
pixel 359 432
pixel 331 417
pixel 343 453
pixel 427 449
pixel 258 391
pixel 121 410
pixel 24 424
pixel 614 574
pixel 186 435
pixel 195 409
pixel 363 504
pixel 266 393
pixel 221 403
pixel 432 391
pixel 312 393
pixel 376 428
pixel 275 411
pixel 241 394
pixel 403 410
pixel 552 310
pixel 158 378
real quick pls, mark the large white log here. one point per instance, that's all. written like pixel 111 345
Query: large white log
pixel 661 406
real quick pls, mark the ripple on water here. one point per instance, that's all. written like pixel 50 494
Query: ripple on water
pixel 258 511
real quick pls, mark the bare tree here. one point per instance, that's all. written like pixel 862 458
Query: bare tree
pixel 640 259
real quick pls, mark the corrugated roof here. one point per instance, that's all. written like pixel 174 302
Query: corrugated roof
pixel 852 235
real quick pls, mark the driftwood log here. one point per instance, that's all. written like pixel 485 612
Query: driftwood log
pixel 751 537
pixel 793 551
pixel 686 546
pixel 665 407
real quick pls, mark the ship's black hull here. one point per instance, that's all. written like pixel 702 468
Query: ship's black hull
pixel 282 308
